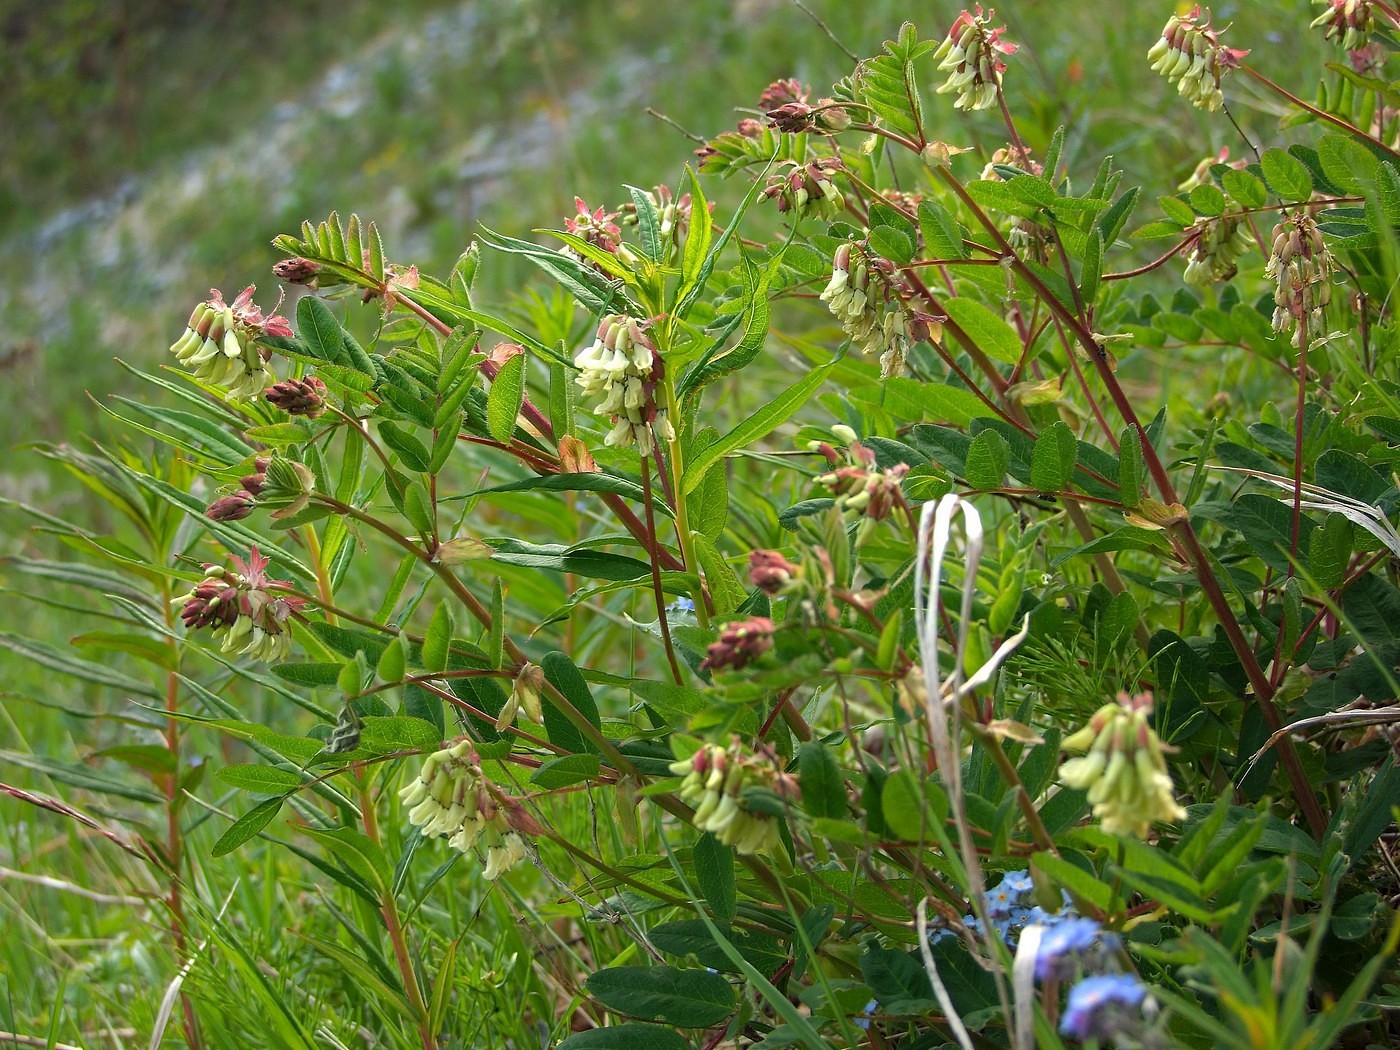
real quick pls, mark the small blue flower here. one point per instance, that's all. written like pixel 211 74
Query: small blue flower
pixel 681 605
pixel 1000 900
pixel 1068 938
pixel 1103 1007
pixel 1017 882
pixel 867 1011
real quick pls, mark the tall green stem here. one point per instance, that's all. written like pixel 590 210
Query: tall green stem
pixel 687 542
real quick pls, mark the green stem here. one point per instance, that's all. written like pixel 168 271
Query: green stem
pixel 683 536
pixel 659 595
pixel 389 908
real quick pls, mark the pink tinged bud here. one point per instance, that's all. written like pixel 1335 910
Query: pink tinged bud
pixel 781 93
pixel 298 397
pixel 297 271
pixel 232 508
pixel 740 644
pixel 770 572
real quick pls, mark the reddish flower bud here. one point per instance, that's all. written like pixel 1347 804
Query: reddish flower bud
pixel 297 271
pixel 740 644
pixel 770 572
pixel 298 397
pixel 231 508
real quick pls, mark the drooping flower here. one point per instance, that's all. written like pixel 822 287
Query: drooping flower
pixel 782 92
pixel 1351 22
pixel 1301 268
pixel 524 696
pixel 862 491
pixel 1190 55
pixel 1104 1007
pixel 807 189
pixel 1124 770
pixel 864 296
pixel 970 55
pixel 221 343
pixel 622 364
pixel 243 607
pixel 1218 243
pixel 451 797
pixel 716 779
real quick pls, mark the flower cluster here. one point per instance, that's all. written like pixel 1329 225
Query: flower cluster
pixel 243 606
pixel 970 55
pixel 863 296
pixel 451 797
pixel 861 491
pixel 220 343
pixel 740 644
pixel 1011 908
pixel 1124 770
pixel 298 397
pixel 1218 243
pixel 1301 268
pixel 716 779
pixel 807 189
pixel 1190 55
pixel 1351 21
pixel 598 227
pixel 622 364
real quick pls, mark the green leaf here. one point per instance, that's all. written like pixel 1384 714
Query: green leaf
pixel 248 825
pixel 321 331
pixel 1177 210
pixel 592 482
pixel 411 451
pixel 714 872
pixel 993 336
pixel 1092 268
pixel 897 979
pixel 563 770
pixel 912 806
pixel 692 938
pixel 1052 462
pixel 360 855
pixel 685 998
pixel 598 565
pixel 1208 199
pixel 942 235
pixel 698 236
pixel 1329 551
pixel 80 776
pixel 1245 189
pixel 564 675
pixel 823 787
pixel 1073 878
pixel 265 780
pixel 438 638
pixel 63 662
pixel 910 400
pixel 648 224
pixel 506 396
pixel 1286 175
pixel 987 459
pixel 725 588
pixel 892 244
pixel 763 422
pixel 631 1036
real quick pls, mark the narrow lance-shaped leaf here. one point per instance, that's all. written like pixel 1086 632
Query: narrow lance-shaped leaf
pixel 506 396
